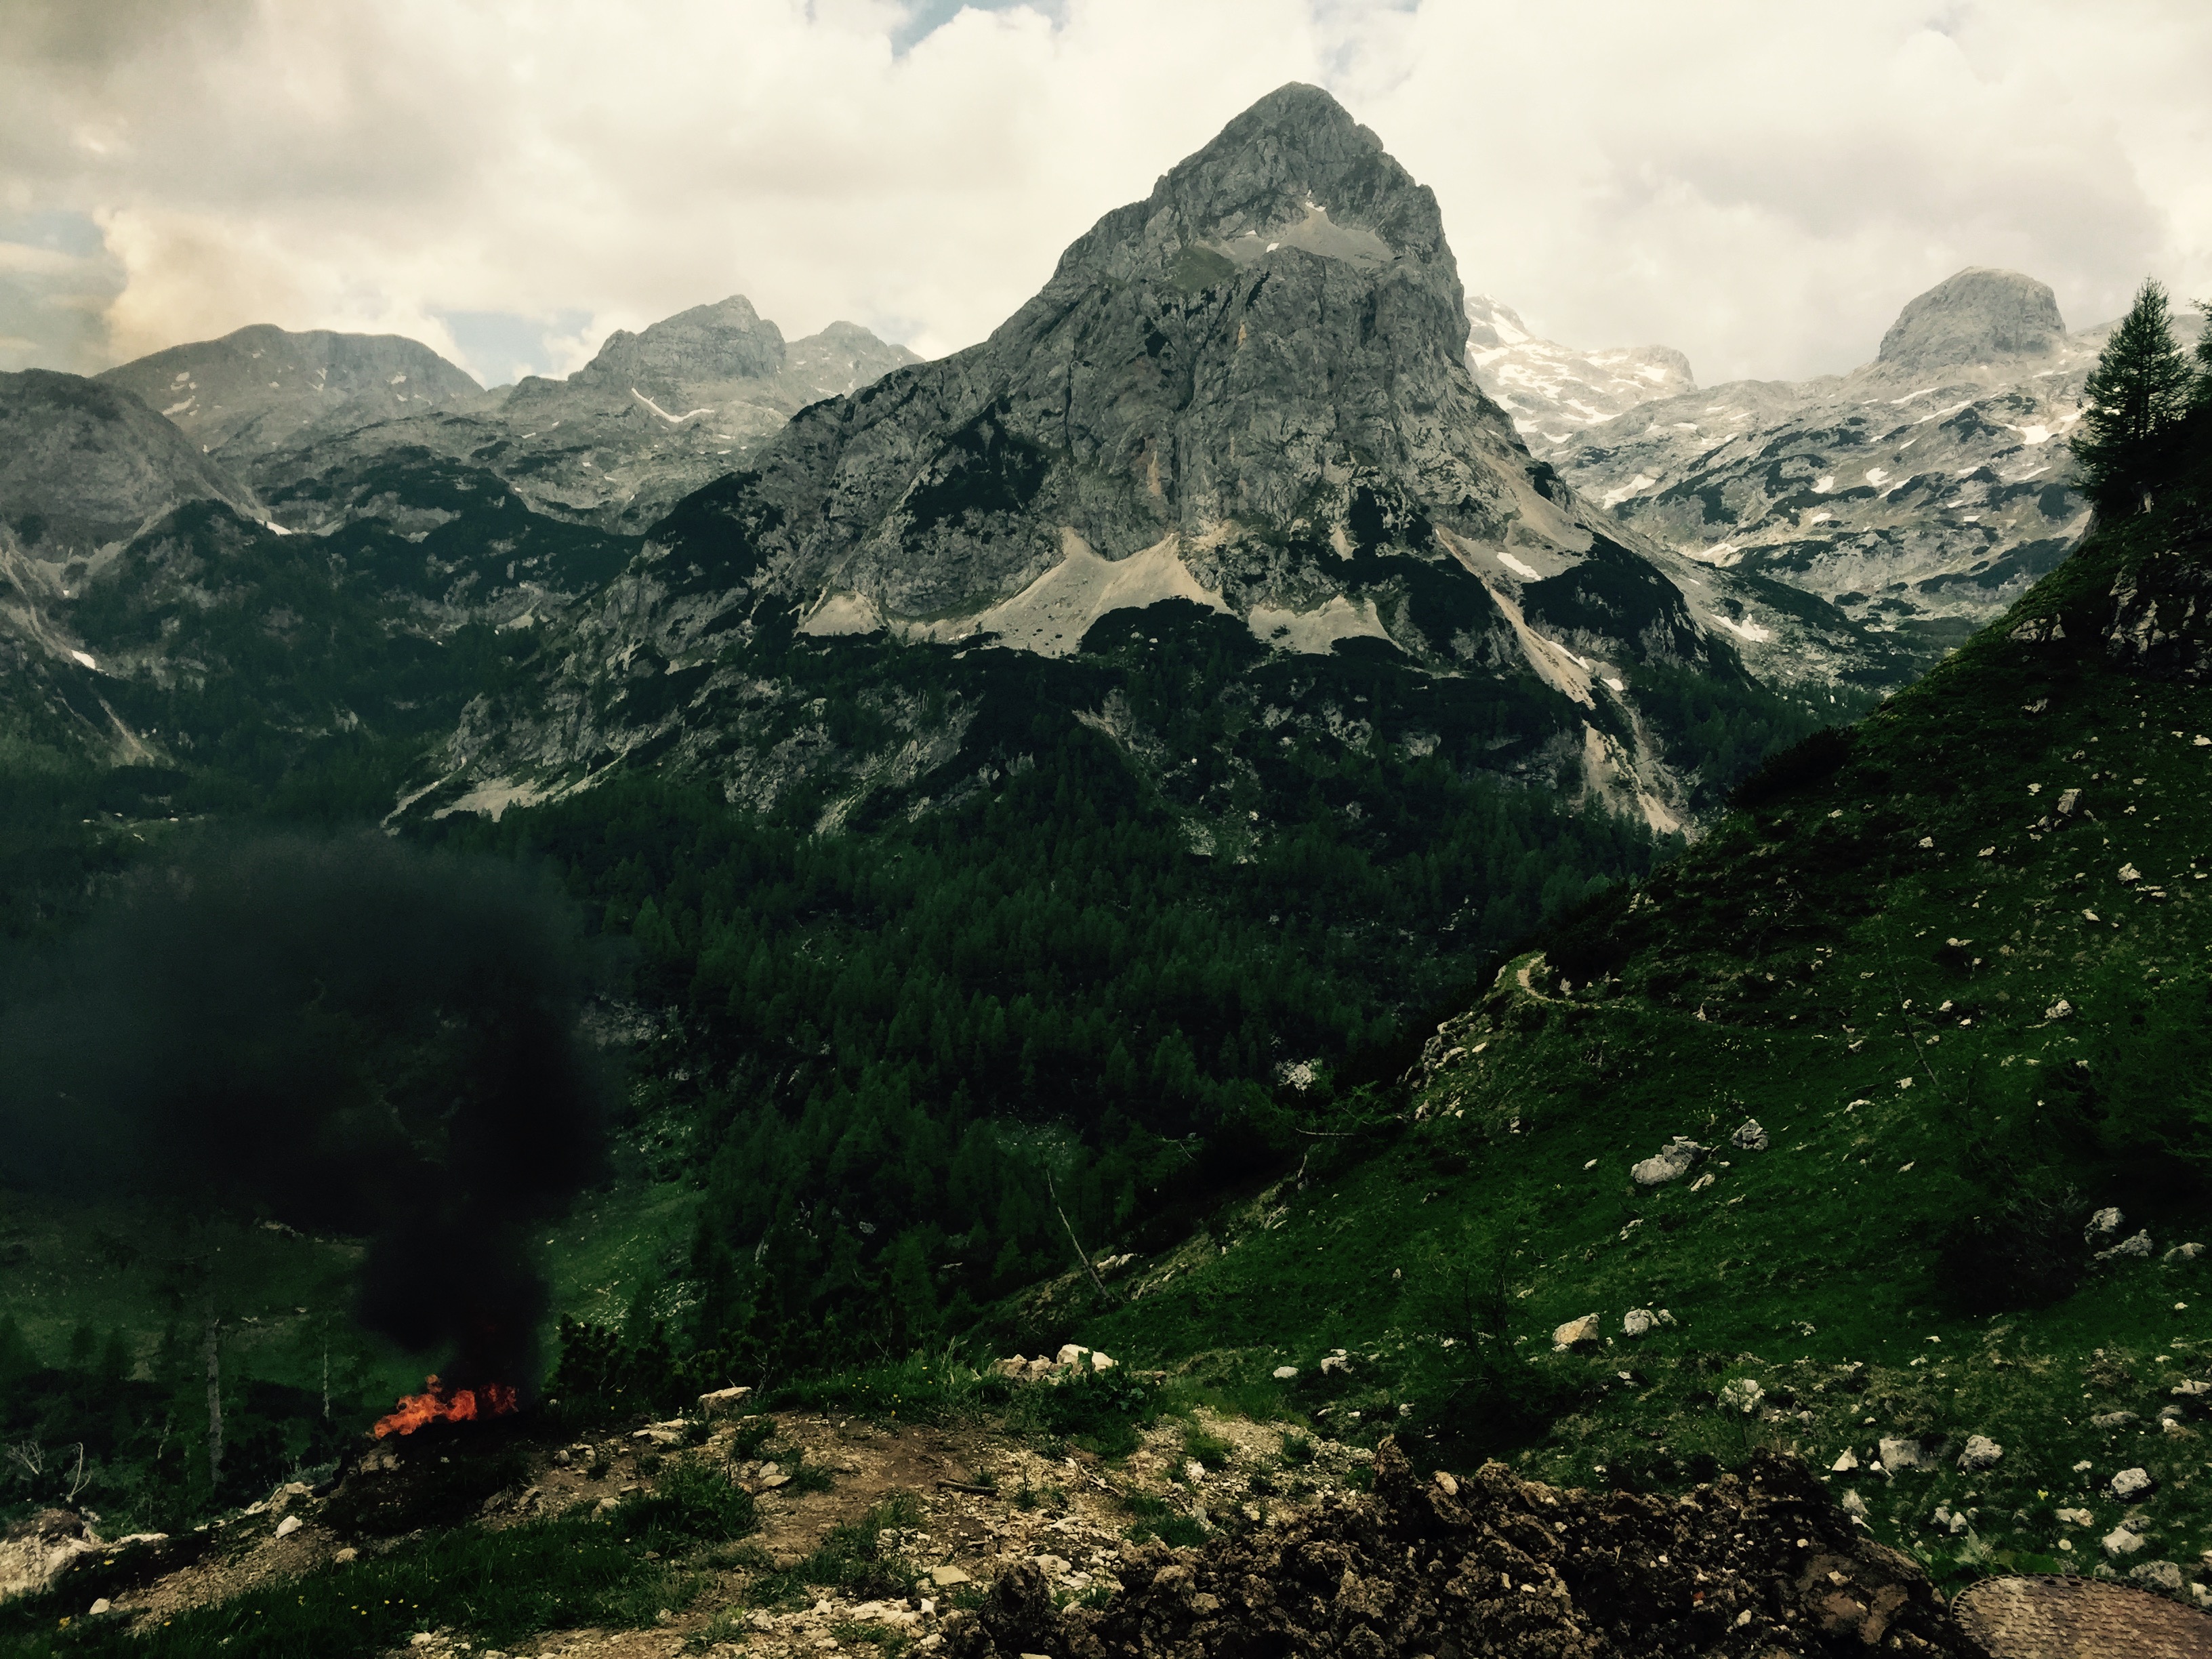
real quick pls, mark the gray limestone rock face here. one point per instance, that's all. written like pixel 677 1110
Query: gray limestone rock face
pixel 85 463
pixel 657 414
pixel 1974 319
pixel 1247 392
pixel 265 388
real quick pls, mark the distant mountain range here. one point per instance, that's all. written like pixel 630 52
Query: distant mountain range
pixel 1922 494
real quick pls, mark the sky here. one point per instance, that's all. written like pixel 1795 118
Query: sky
pixel 1760 185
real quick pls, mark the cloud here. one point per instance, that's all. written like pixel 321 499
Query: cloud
pixel 508 180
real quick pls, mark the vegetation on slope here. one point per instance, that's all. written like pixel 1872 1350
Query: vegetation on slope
pixel 1967 1004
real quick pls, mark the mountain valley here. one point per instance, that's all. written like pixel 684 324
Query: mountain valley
pixel 1553 962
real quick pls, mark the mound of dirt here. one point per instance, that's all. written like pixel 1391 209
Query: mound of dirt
pixel 1755 1566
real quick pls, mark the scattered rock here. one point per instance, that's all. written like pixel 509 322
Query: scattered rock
pixel 2104 1224
pixel 1981 1453
pixel 718 1401
pixel 2129 1484
pixel 2111 1419
pixel 2120 1543
pixel 2184 1253
pixel 1072 1360
pixel 1750 1138
pixel 287 1526
pixel 347 1555
pixel 2139 1247
pixel 1574 1334
pixel 1637 1321
pixel 1855 1506
pixel 1284 1373
pixel 1848 1460
pixel 2164 1577
pixel 945 1577
pixel 1741 1394
pixel 1670 1163
pixel 2076 1517
pixel 1899 1454
pixel 2063 1009
pixel 98 1608
pixel 1759 1562
pixel 1337 1365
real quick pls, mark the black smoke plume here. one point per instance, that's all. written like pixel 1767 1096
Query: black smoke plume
pixel 347 1035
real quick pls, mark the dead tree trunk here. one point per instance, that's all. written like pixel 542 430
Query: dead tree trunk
pixel 1082 1255
pixel 211 1349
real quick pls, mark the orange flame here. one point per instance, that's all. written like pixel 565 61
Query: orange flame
pixel 437 1404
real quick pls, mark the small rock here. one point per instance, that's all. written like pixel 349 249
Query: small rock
pixel 1193 1471
pixel 1447 1484
pixel 2121 1542
pixel 2129 872
pixel 945 1577
pixel 2139 1247
pixel 2062 1009
pixel 1671 1163
pixel 2076 1517
pixel 2184 1253
pixel 1284 1373
pixel 2130 1484
pixel 99 1608
pixel 1981 1453
pixel 2164 1577
pixel 1637 1321
pixel 1855 1506
pixel 1337 1365
pixel 1741 1394
pixel 421 1638
pixel 1898 1455
pixel 2111 1419
pixel 2191 1390
pixel 721 1399
pixel 2104 1224
pixel 287 1526
pixel 1845 1463
pixel 1750 1138
pixel 348 1553
pixel 1702 1181
pixel 1573 1335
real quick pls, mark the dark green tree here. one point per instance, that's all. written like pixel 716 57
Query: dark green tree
pixel 2139 390
pixel 2202 397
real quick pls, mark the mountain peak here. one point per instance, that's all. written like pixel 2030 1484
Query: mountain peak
pixel 727 340
pixel 1975 317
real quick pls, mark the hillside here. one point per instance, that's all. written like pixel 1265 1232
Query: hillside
pixel 1951 965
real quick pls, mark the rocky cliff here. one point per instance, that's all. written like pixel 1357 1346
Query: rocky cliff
pixel 1246 395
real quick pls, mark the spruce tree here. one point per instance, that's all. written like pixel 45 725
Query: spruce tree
pixel 2140 387
pixel 2202 397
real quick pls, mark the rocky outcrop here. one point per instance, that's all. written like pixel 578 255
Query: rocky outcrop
pixel 1756 1562
pixel 85 464
pixel 1982 322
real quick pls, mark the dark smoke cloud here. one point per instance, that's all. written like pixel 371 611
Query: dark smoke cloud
pixel 347 1035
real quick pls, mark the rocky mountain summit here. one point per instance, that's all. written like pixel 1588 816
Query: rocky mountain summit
pixel 265 388
pixel 1550 390
pixel 1247 397
pixel 84 464
pixel 1921 494
pixel 657 414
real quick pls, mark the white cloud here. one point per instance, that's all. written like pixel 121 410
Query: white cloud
pixel 1761 186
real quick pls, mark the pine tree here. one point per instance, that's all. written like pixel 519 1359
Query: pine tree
pixel 2140 389
pixel 2203 396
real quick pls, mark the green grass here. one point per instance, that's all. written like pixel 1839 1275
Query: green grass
pixel 1848 965
pixel 500 1587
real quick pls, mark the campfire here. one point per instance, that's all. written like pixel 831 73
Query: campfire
pixel 439 1403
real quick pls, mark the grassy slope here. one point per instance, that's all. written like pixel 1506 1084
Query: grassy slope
pixel 1849 966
